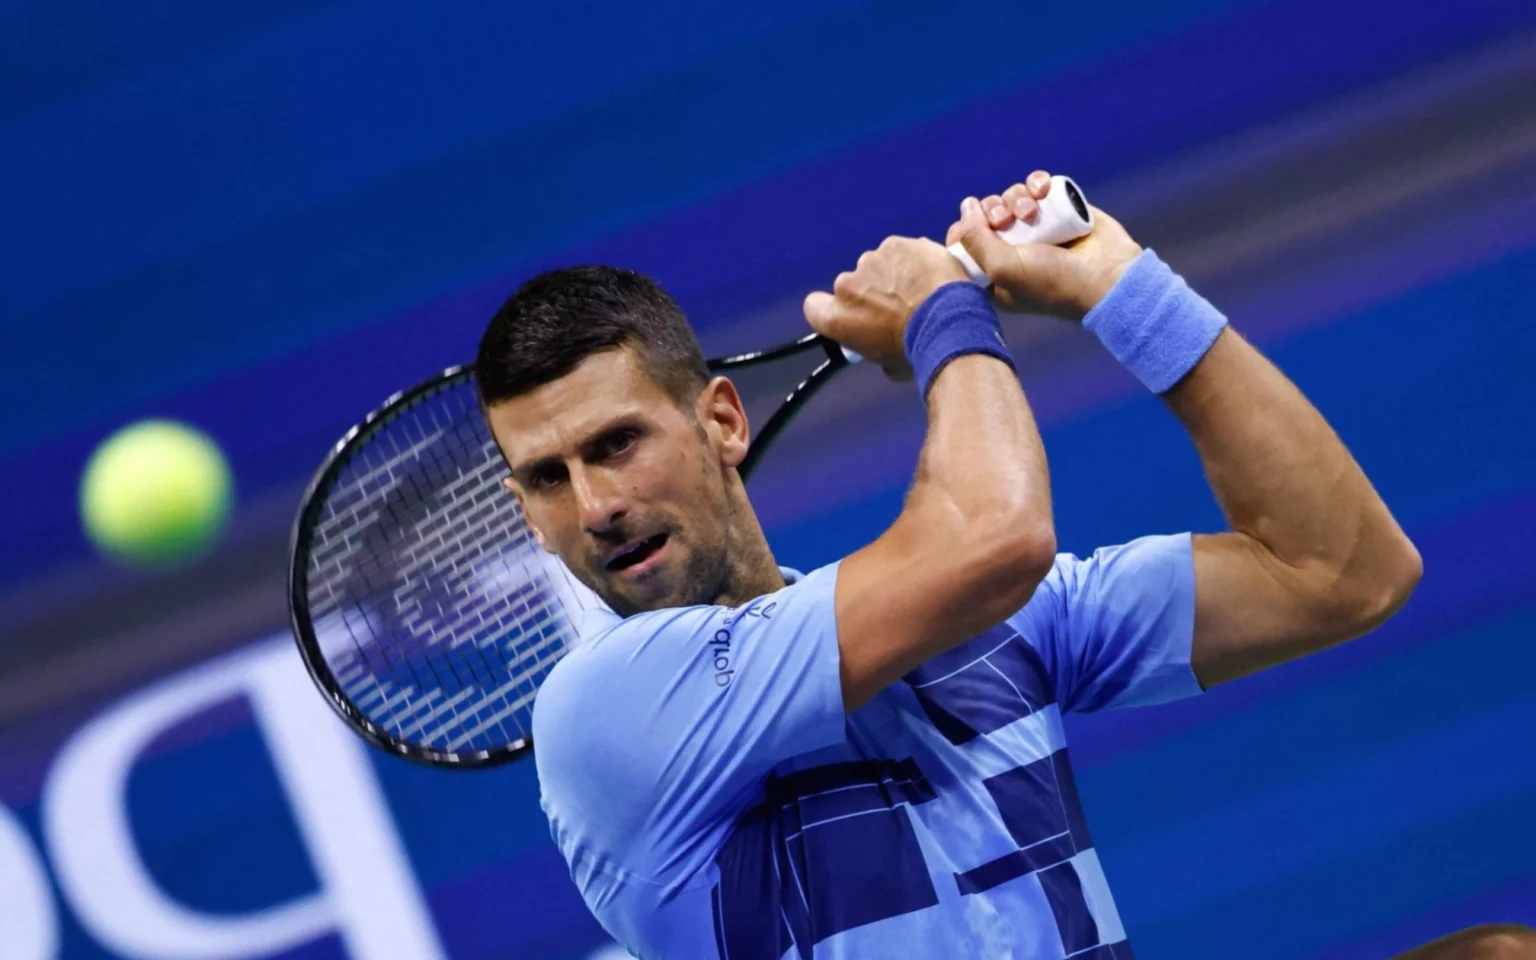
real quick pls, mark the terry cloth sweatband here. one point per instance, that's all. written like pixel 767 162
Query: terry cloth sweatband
pixel 955 320
pixel 1154 323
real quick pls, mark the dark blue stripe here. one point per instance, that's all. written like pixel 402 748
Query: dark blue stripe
pixel 1064 892
pixel 847 885
pixel 1032 803
pixel 1011 866
pixel 786 878
pixel 900 776
pixel 1066 784
pixel 982 685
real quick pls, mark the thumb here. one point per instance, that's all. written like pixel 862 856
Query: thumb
pixel 819 308
pixel 996 257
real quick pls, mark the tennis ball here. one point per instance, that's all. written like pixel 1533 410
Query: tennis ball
pixel 155 494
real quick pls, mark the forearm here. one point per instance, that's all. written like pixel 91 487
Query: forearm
pixel 982 465
pixel 972 542
pixel 1313 556
pixel 974 537
pixel 1285 481
pixel 982 470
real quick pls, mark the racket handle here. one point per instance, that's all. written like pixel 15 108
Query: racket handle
pixel 1064 216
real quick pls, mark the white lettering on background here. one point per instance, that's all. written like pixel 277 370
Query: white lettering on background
pixel 367 891
pixel 29 928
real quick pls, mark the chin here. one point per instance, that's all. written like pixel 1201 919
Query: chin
pixel 653 596
pixel 634 598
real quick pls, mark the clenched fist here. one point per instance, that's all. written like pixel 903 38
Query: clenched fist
pixel 868 309
pixel 1065 281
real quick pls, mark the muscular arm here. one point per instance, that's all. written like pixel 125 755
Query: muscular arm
pixel 972 542
pixel 975 536
pixel 1313 556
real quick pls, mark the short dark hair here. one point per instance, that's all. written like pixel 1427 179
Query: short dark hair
pixel 560 317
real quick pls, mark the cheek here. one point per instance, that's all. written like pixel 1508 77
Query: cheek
pixel 550 525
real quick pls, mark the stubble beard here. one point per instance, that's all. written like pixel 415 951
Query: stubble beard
pixel 706 574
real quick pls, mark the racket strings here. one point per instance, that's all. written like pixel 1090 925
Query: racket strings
pixel 424 605
pixel 435 609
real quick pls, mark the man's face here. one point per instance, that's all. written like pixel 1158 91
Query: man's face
pixel 627 488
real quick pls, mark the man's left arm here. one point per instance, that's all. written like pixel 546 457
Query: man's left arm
pixel 1313 556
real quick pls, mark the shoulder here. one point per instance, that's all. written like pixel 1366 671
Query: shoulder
pixel 627 676
pixel 648 651
pixel 582 686
pixel 596 760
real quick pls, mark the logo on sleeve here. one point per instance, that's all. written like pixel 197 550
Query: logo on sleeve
pixel 719 646
pixel 720 650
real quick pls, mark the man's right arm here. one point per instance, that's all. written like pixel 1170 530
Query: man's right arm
pixel 975 536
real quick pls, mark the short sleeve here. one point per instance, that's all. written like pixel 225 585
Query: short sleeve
pixel 651 732
pixel 1115 630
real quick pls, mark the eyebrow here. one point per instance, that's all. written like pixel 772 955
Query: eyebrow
pixel 626 421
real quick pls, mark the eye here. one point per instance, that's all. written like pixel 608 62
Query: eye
pixel 545 478
pixel 616 442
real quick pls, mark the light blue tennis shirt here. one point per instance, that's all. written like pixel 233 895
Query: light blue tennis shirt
pixel 713 799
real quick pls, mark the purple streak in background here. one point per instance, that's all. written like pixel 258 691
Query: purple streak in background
pixel 1079 381
pixel 795 229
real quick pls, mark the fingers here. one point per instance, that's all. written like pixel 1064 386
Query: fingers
pixel 999 214
pixel 820 309
pixel 1021 202
pixel 975 233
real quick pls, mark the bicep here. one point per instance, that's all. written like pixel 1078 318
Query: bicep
pixel 1248 611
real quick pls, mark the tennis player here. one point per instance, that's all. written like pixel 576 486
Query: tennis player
pixel 867 761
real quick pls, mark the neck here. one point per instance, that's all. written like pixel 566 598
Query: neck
pixel 753 571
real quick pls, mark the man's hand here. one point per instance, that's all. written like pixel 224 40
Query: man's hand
pixel 868 309
pixel 1065 281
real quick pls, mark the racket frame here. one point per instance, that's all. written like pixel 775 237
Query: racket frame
pixel 341 453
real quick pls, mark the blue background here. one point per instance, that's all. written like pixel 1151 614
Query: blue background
pixel 263 218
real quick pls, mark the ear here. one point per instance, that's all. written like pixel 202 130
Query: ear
pixel 725 420
pixel 538 534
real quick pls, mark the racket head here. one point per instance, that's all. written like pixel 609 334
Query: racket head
pixel 424 609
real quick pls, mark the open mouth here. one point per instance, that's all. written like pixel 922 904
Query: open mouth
pixel 636 553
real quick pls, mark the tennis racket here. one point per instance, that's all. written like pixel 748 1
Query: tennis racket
pixel 424 609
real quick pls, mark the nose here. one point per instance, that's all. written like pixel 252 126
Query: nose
pixel 600 501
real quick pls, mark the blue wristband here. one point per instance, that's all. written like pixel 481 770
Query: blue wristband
pixel 955 320
pixel 1154 323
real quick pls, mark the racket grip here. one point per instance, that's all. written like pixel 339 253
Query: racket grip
pixel 1064 216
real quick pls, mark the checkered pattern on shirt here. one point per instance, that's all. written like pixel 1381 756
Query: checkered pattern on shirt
pixel 832 864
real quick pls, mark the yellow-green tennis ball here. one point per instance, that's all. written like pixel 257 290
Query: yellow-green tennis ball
pixel 155 494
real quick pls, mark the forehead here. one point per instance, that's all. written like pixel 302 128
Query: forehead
pixel 554 418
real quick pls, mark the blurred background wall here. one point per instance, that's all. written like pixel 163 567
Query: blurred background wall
pixel 262 218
